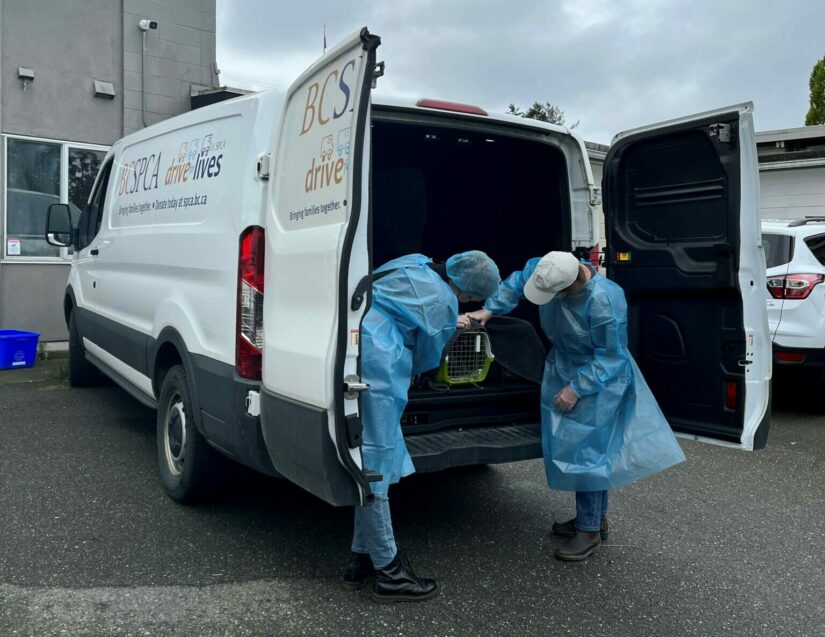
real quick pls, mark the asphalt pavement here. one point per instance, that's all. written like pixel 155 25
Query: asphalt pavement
pixel 728 543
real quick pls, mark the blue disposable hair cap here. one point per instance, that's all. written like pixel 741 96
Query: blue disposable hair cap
pixel 474 273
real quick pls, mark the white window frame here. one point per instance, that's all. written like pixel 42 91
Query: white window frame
pixel 65 145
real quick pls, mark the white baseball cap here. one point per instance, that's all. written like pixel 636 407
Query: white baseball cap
pixel 555 271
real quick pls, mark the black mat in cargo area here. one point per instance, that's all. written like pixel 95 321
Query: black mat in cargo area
pixel 481 445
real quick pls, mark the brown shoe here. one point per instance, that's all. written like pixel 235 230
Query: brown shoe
pixel 579 547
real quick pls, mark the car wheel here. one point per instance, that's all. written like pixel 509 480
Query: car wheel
pixel 81 372
pixel 188 464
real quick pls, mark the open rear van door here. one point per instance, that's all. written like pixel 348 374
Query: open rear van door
pixel 317 253
pixel 681 203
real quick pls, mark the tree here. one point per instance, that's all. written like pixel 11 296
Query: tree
pixel 816 113
pixel 83 165
pixel 546 112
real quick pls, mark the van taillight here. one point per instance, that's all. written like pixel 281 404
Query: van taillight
pixel 793 286
pixel 595 256
pixel 250 327
pixel 730 394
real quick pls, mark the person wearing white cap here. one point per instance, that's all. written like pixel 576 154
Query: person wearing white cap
pixel 601 425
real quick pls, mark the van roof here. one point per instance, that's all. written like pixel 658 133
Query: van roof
pixel 273 95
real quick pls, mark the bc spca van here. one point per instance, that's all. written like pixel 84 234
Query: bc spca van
pixel 222 269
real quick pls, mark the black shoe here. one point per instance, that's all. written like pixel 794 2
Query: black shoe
pixel 360 569
pixel 568 529
pixel 579 547
pixel 396 582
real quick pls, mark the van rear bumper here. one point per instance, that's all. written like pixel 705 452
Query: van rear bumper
pixel 225 422
pixel 478 445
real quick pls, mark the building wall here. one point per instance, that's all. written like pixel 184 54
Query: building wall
pixel 791 193
pixel 69 44
pixel 31 298
pixel 792 172
pixel 180 53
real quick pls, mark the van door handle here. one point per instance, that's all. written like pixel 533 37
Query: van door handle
pixel 94 252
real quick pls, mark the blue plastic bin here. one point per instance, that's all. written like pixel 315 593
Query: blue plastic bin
pixel 17 348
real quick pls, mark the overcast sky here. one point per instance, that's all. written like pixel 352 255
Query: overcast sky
pixel 612 64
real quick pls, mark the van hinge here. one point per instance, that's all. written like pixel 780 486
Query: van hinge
pixel 721 132
pixel 353 386
pixel 377 72
pixel 263 166
pixel 595 196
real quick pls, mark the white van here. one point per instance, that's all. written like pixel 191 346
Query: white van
pixel 222 269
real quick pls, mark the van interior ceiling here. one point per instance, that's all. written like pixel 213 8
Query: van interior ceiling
pixel 438 190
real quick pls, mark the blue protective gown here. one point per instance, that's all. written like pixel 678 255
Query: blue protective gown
pixel 412 317
pixel 616 433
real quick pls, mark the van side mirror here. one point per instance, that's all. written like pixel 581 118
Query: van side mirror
pixel 59 225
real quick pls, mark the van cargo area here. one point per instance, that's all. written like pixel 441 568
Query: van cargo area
pixel 441 186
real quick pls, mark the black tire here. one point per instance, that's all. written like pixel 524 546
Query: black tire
pixel 81 372
pixel 190 468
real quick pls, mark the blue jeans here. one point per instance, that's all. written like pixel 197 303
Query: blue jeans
pixel 590 507
pixel 373 532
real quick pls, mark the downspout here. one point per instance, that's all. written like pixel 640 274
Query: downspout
pixel 143 80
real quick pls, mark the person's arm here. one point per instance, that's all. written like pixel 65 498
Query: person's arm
pixel 608 331
pixel 509 294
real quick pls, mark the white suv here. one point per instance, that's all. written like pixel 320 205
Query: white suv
pixel 795 258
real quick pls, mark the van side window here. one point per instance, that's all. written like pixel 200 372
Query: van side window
pixel 93 214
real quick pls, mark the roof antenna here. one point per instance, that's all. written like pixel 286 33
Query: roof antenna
pixel 325 37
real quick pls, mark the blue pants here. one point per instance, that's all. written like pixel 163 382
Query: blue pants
pixel 373 532
pixel 590 507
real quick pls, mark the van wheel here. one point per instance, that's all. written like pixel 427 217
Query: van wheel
pixel 187 463
pixel 81 372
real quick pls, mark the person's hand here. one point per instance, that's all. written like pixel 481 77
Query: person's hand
pixel 566 399
pixel 463 321
pixel 482 316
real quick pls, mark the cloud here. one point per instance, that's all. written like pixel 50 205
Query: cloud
pixel 611 65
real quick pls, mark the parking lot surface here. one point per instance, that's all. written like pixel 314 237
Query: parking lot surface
pixel 728 543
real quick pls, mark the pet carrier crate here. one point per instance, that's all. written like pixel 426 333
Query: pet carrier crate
pixel 467 359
